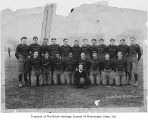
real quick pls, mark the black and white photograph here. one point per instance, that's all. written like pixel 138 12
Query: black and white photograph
pixel 92 57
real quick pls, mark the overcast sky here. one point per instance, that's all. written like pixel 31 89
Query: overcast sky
pixel 64 6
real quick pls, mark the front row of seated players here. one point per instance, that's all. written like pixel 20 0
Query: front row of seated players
pixel 68 71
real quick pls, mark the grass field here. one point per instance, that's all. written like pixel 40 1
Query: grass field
pixel 67 96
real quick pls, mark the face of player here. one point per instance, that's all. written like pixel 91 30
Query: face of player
pixel 107 56
pixel 76 43
pixel 85 42
pixel 82 56
pixel 94 55
pixel 112 42
pixel 45 42
pixel 93 42
pixel 122 42
pixel 70 55
pixel 35 54
pixel 132 41
pixel 57 56
pixel 24 41
pixel 80 67
pixel 53 41
pixel 65 42
pixel 119 55
pixel 46 56
pixel 35 41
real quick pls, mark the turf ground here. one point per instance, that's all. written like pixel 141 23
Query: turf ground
pixel 67 96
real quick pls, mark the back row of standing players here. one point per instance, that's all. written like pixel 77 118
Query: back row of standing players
pixel 64 60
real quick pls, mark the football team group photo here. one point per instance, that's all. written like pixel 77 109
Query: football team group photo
pixel 92 58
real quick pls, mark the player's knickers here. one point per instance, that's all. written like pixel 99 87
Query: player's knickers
pixel 21 62
pixel 58 74
pixel 107 77
pixel 47 76
pixel 69 76
pixel 120 78
pixel 95 77
pixel 133 63
pixel 36 73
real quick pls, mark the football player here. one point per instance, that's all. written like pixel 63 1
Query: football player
pixel 65 49
pixel 95 65
pixel 21 53
pixel 134 57
pixel 120 68
pixel 58 65
pixel 85 48
pixel 102 49
pixel 36 70
pixel 107 70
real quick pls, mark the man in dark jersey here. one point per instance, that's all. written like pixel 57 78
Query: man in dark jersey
pixel 120 68
pixel 124 49
pixel 125 53
pixel 34 47
pixel 102 49
pixel 107 70
pixel 80 77
pixel 58 65
pixel 21 53
pixel 36 70
pixel 44 48
pixel 93 47
pixel 112 50
pixel 134 51
pixel 47 67
pixel 95 65
pixel 54 49
pixel 76 50
pixel 83 61
pixel 70 67
pixel 85 48
pixel 65 49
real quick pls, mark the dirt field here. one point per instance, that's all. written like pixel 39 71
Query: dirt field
pixel 67 96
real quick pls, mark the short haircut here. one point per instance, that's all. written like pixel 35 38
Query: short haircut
pixel 80 63
pixel 93 40
pixel 119 52
pixel 53 39
pixel 94 52
pixel 82 53
pixel 35 37
pixel 101 39
pixel 76 41
pixel 106 53
pixel 23 38
pixel 122 40
pixel 84 39
pixel 47 53
pixel 45 39
pixel 35 51
pixel 65 39
pixel 112 40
